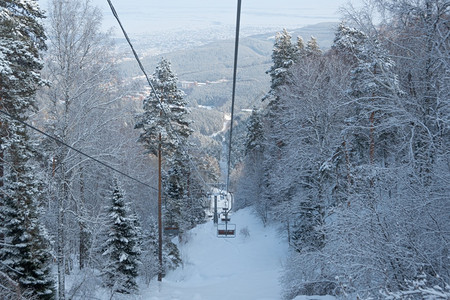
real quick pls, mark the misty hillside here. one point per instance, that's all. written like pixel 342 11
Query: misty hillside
pixel 214 62
pixel 323 32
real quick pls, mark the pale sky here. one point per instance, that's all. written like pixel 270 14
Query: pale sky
pixel 140 16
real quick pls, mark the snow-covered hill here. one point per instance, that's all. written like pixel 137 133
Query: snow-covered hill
pixel 245 267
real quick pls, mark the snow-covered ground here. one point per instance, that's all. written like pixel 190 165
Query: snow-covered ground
pixel 246 267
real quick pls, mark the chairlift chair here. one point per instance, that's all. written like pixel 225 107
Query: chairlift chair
pixel 226 230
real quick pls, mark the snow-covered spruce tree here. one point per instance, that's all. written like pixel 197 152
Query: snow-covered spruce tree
pixel 375 126
pixel 164 124
pixel 122 249
pixel 24 252
pixel 284 55
pixel 164 115
pixel 312 48
pixel 177 160
pixel 310 169
pixel 375 87
pixel 176 193
pixel 149 267
pixel 183 209
pixel 249 184
pixel 254 143
pixel 316 133
pixel 420 45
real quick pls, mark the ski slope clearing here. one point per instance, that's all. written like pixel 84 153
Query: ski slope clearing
pixel 245 267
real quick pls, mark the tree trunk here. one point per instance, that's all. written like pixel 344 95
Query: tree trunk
pixel 60 251
pixel 61 239
pixel 84 235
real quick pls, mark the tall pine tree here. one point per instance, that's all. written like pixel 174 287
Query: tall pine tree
pixel 164 114
pixel 165 126
pixel 284 54
pixel 24 253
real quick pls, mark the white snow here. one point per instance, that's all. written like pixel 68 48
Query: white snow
pixel 123 257
pixel 314 298
pixel 245 267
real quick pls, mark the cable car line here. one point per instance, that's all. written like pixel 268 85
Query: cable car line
pixel 78 151
pixel 236 47
pixel 114 12
pixel 159 100
pixel 160 242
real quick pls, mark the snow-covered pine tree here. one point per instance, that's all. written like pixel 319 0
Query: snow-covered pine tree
pixel 421 45
pixel 24 253
pixel 312 47
pixel 284 54
pixel 377 199
pixel 305 172
pixel 165 114
pixel 375 89
pixel 301 51
pixel 249 186
pixel 254 143
pixel 122 249
pixel 176 193
pixel 171 256
pixel 149 267
pixel 375 85
pixel 164 121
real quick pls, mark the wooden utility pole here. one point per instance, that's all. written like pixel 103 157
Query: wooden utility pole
pixel 1 157
pixel 2 134
pixel 160 271
pixel 372 138
pixel 2 173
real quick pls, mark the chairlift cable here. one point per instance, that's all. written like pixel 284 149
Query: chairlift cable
pixel 114 12
pixel 236 47
pixel 76 150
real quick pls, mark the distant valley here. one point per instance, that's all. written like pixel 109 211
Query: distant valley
pixel 204 66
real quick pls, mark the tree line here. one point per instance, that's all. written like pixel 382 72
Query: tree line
pixel 351 153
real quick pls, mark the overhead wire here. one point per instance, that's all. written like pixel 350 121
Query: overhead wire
pixel 161 105
pixel 158 98
pixel 236 48
pixel 77 150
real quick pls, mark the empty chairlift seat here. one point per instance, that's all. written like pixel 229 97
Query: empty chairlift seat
pixel 226 230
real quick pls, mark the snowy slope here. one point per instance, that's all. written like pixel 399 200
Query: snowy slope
pixel 216 268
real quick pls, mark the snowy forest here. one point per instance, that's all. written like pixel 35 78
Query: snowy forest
pixel 348 154
pixel 351 154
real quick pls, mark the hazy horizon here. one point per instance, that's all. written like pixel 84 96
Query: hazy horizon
pixel 152 16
